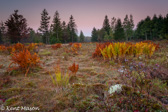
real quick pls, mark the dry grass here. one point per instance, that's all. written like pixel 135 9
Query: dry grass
pixel 92 79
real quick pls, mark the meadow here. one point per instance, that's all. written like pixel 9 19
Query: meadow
pixel 86 77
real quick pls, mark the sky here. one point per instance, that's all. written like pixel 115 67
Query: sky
pixel 87 13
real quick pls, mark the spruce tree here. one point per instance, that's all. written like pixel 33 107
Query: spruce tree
pixel 119 31
pixel 94 37
pixel 2 33
pixel 81 37
pixel 113 23
pixel 65 32
pixel 1 37
pixel 128 26
pixel 72 27
pixel 106 25
pixel 16 27
pixel 57 29
pixel 44 26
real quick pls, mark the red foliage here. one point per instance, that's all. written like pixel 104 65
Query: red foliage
pixel 74 68
pixel 99 46
pixel 24 59
pixel 70 44
pixel 2 48
pixel 56 46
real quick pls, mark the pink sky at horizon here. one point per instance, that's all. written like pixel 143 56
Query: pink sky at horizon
pixel 87 13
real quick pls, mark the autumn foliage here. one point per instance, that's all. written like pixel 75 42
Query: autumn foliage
pixel 120 50
pixel 99 46
pixel 56 46
pixel 2 48
pixel 74 68
pixel 24 60
pixel 75 47
pixel 70 44
pixel 32 46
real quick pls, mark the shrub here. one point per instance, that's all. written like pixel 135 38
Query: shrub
pixel 121 50
pixel 60 79
pixel 2 48
pixel 25 60
pixel 75 47
pixel 32 46
pixel 99 46
pixel 56 46
pixel 74 68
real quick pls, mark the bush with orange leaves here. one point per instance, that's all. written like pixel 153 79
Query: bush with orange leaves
pixel 56 46
pixel 75 47
pixel 74 68
pixel 32 46
pixel 70 44
pixel 25 60
pixel 2 48
pixel 99 46
pixel 15 48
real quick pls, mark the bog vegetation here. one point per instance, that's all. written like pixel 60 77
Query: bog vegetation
pixel 51 70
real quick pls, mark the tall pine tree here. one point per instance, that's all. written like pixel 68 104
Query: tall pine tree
pixel 44 26
pixel 2 33
pixel 128 26
pixel 57 29
pixel 65 32
pixel 81 37
pixel 16 27
pixel 119 31
pixel 73 29
pixel 94 37
pixel 106 25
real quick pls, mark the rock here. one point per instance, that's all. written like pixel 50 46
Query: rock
pixel 115 88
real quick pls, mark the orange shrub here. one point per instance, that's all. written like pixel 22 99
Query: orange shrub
pixel 99 46
pixel 32 46
pixel 2 48
pixel 75 47
pixel 25 60
pixel 18 47
pixel 70 44
pixel 74 68
pixel 11 49
pixel 56 46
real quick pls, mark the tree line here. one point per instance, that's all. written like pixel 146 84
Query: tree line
pixel 15 29
pixel 147 29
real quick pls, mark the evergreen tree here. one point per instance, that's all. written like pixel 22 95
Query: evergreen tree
pixel 2 32
pixel 72 27
pixel 94 37
pixel 113 24
pixel 65 32
pixel 119 31
pixel 81 37
pixel 106 25
pixel 16 27
pixel 1 37
pixel 101 34
pixel 128 26
pixel 106 37
pixel 44 26
pixel 57 29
